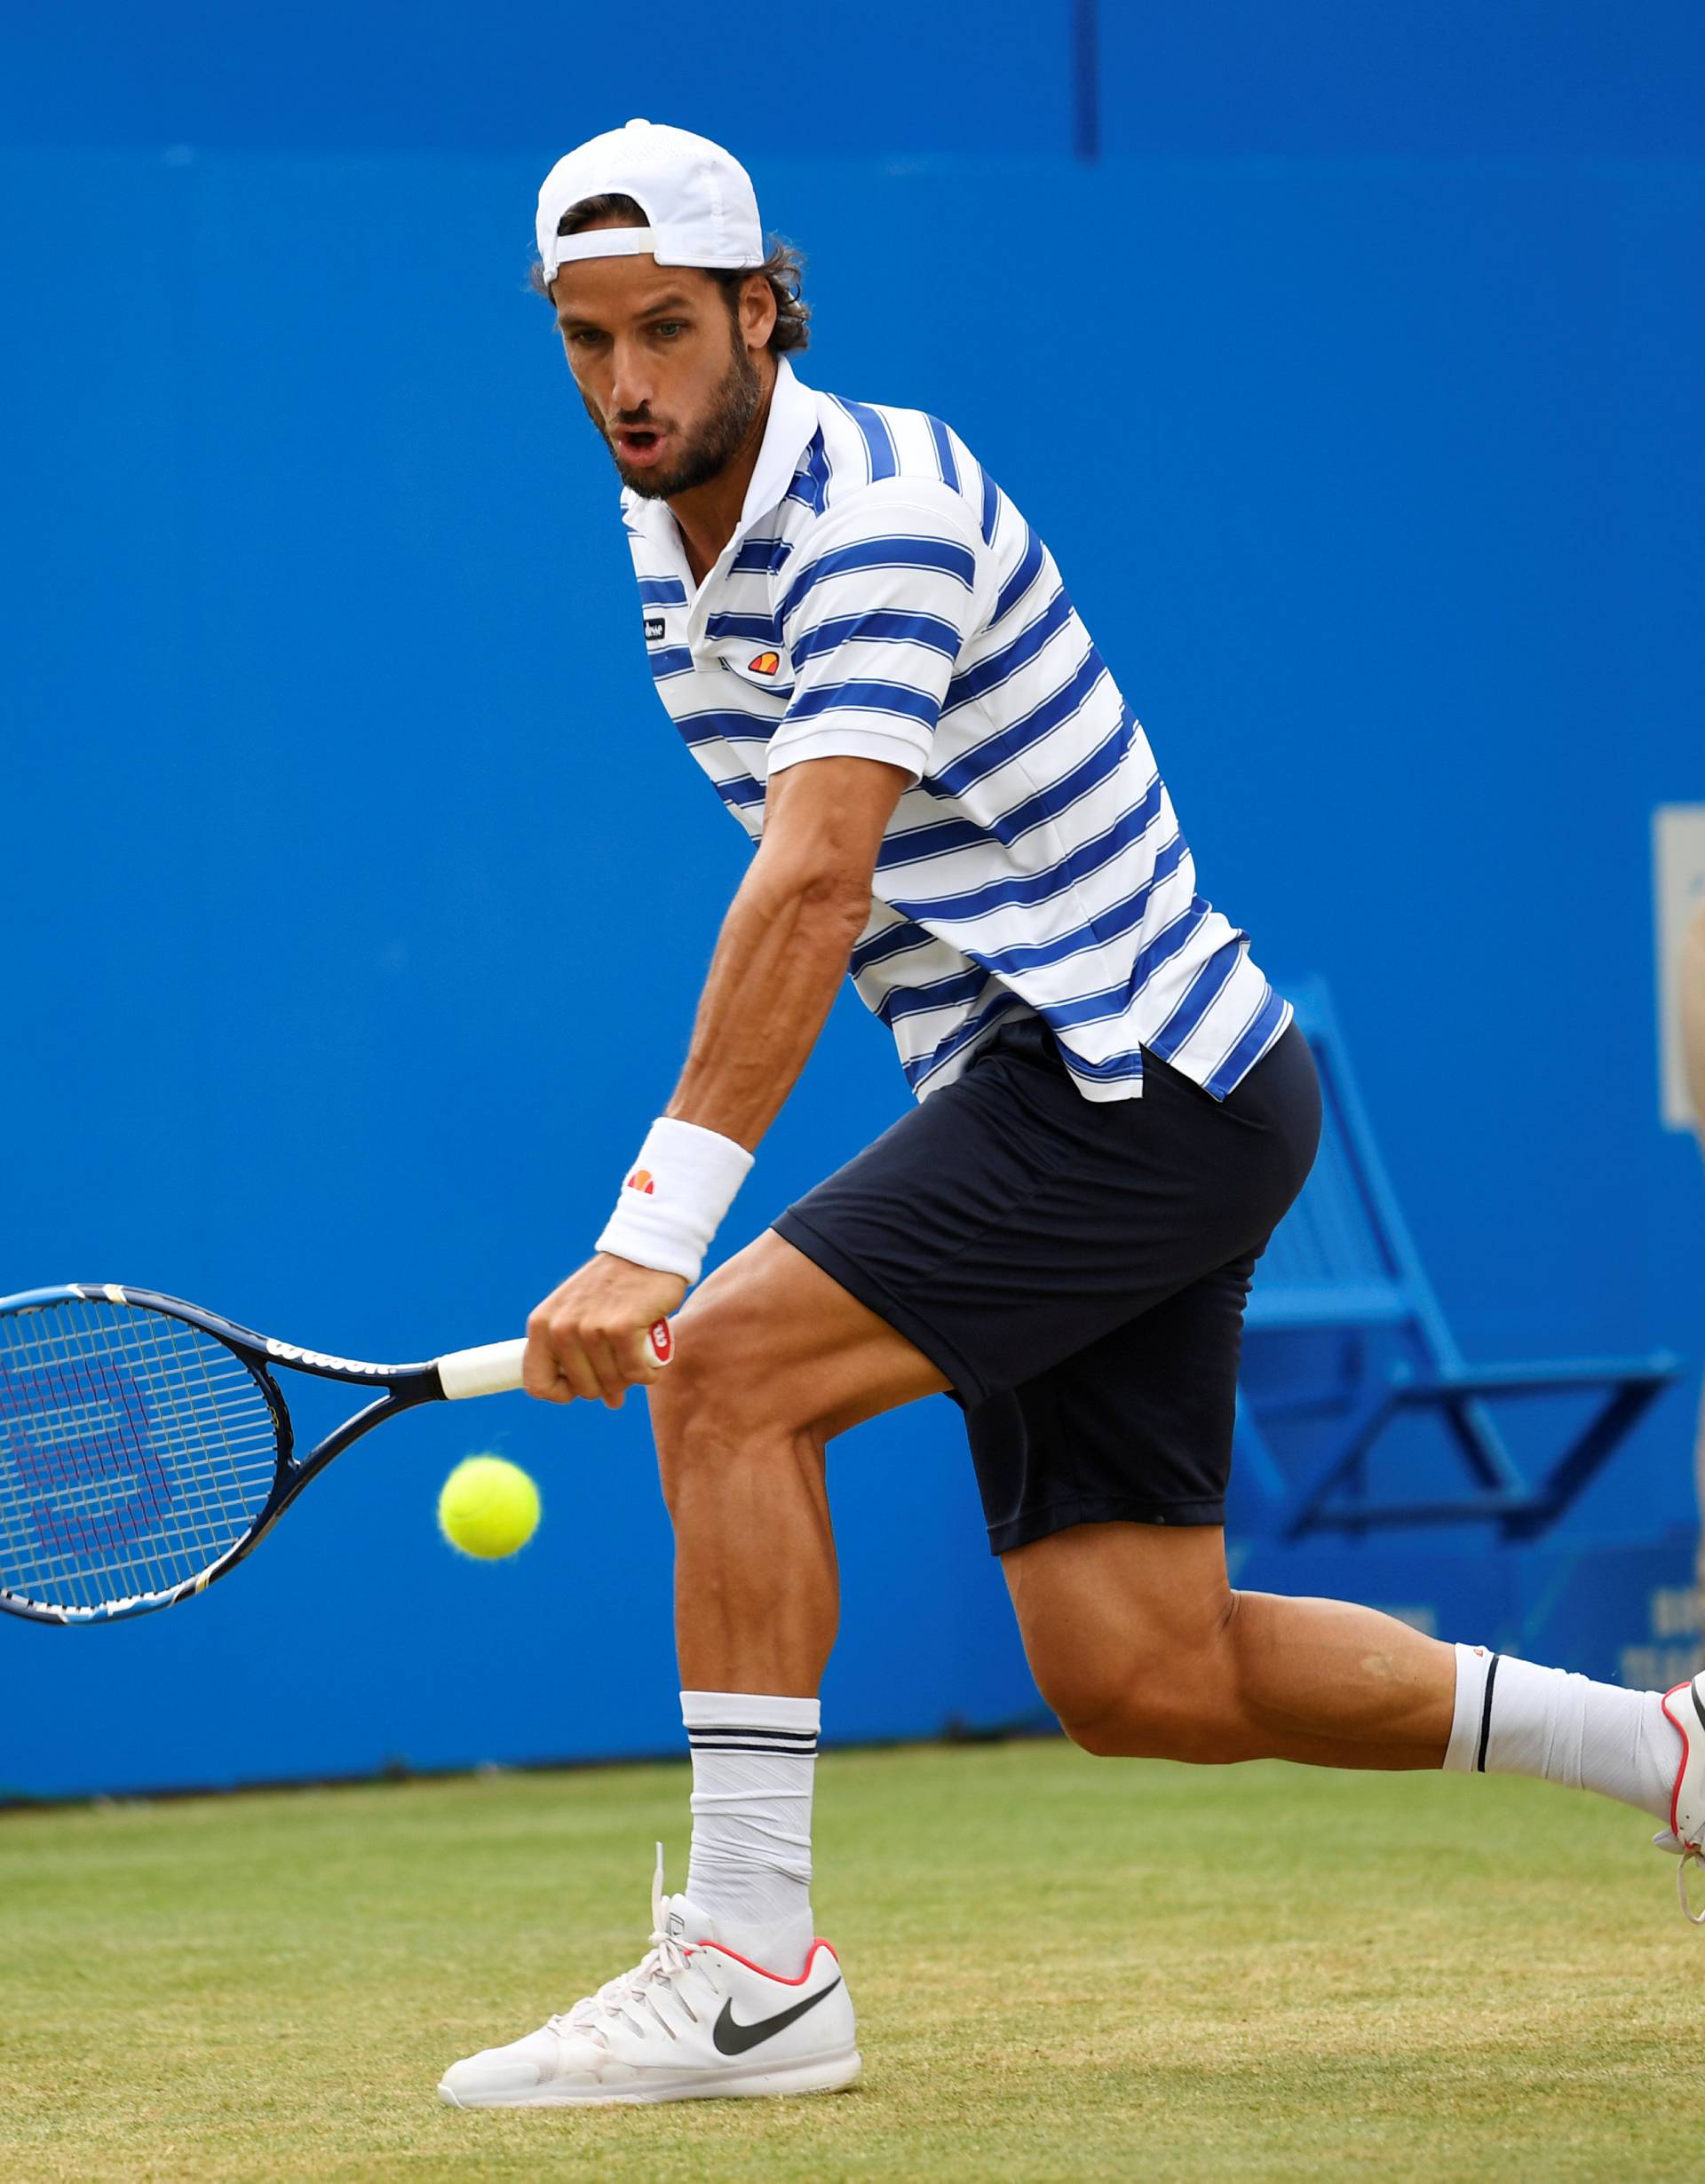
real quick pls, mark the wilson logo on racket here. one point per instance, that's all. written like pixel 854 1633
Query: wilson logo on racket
pixel 766 663
pixel 80 1449
pixel 642 1179
pixel 320 1361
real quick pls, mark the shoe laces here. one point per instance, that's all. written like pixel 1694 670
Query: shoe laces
pixel 634 1997
pixel 1691 1855
pixel 1686 1855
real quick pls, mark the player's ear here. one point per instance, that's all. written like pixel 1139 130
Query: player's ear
pixel 757 312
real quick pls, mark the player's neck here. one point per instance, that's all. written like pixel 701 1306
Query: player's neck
pixel 710 514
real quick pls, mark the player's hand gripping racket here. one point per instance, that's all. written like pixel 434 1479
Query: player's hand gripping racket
pixel 146 1447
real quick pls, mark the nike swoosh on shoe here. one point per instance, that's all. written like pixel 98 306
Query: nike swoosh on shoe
pixel 734 2038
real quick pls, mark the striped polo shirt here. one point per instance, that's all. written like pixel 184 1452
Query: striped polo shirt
pixel 883 598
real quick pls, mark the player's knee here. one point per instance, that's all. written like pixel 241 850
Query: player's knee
pixel 696 1405
pixel 713 1405
pixel 1103 1735
pixel 1145 1718
pixel 1116 1723
pixel 1159 1697
pixel 1090 1697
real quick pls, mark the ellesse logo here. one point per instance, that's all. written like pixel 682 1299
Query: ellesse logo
pixel 766 663
pixel 641 1179
pixel 654 628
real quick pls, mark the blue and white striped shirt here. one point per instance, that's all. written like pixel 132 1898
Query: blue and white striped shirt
pixel 883 598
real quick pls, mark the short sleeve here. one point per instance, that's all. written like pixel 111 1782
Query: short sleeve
pixel 875 614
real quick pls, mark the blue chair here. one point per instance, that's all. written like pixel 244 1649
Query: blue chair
pixel 1343 1272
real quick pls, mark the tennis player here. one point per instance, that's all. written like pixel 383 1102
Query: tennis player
pixel 871 653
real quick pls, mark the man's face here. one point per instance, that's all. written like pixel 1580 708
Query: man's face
pixel 665 374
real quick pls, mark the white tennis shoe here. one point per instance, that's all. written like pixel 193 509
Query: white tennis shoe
pixel 1686 1708
pixel 692 2021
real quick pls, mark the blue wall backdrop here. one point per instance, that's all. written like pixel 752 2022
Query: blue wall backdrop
pixel 357 892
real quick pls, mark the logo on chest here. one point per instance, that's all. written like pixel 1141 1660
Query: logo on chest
pixel 767 671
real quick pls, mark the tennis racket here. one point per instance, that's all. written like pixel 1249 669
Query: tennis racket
pixel 146 1445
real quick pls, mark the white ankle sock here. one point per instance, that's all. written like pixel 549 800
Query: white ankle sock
pixel 753 1759
pixel 1513 1718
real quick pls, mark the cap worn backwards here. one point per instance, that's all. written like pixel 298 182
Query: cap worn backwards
pixel 698 201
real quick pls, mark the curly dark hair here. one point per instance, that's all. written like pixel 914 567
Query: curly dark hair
pixel 783 268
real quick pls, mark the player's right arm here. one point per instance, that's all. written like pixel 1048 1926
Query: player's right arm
pixel 785 942
pixel 876 618
pixel 779 963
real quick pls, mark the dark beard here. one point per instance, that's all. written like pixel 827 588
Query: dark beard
pixel 737 400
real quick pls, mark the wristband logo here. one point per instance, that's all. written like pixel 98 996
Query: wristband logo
pixel 643 1179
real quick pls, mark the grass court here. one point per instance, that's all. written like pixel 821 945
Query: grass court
pixel 1064 1968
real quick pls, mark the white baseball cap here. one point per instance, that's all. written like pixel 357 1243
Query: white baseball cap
pixel 698 200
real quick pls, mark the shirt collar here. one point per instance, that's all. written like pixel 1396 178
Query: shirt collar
pixel 788 432
pixel 791 428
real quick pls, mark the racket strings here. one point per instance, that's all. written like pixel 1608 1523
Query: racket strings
pixel 135 1450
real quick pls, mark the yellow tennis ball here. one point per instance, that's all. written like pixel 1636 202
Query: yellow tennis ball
pixel 489 1507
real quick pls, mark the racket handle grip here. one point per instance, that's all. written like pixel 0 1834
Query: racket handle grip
pixel 494 1368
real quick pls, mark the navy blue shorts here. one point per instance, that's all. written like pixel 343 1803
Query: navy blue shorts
pixel 1076 1268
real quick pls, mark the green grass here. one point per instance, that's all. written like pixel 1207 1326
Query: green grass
pixel 1064 1967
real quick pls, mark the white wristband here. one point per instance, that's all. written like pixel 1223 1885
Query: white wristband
pixel 676 1195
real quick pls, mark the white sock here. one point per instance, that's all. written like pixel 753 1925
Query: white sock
pixel 753 1761
pixel 1513 1718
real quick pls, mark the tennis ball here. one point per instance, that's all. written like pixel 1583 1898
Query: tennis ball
pixel 489 1507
